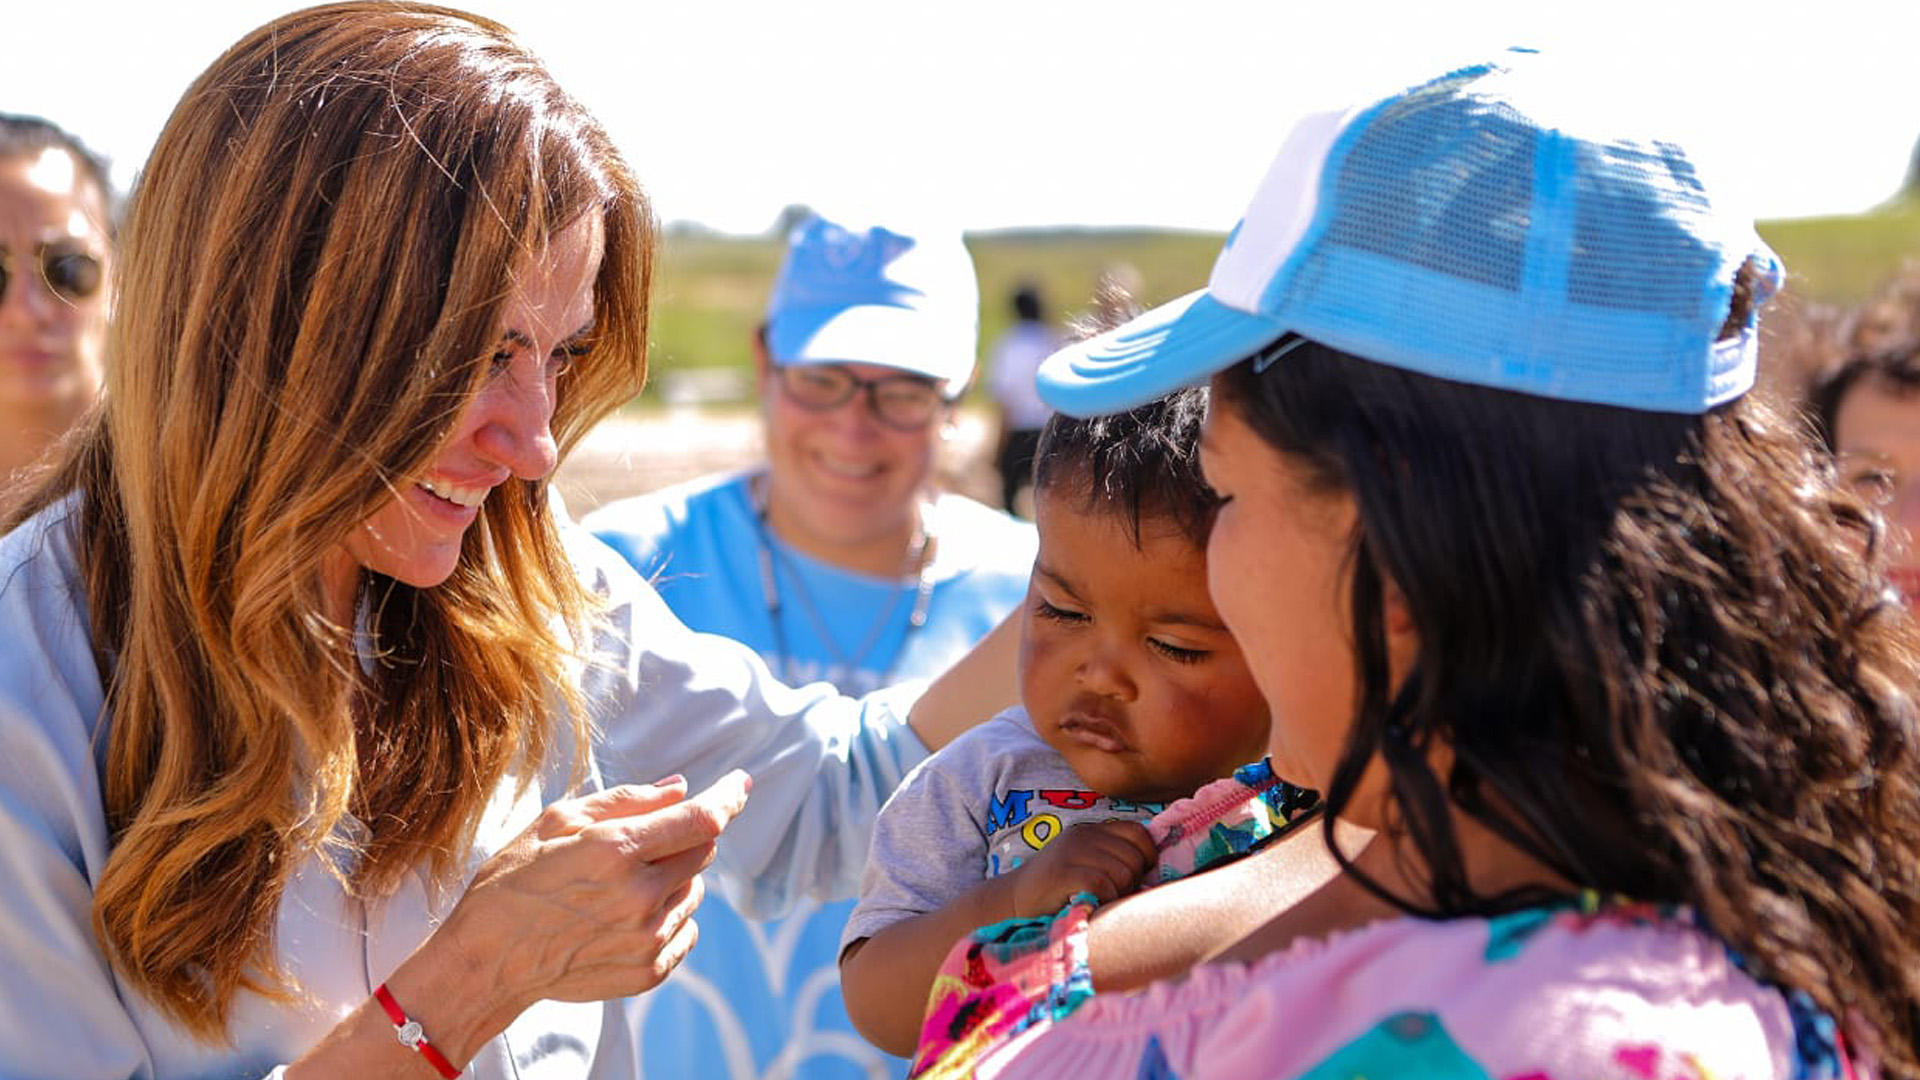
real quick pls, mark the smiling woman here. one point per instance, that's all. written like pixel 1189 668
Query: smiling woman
pixel 415 537
pixel 329 742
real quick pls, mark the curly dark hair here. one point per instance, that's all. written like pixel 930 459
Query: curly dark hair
pixel 1137 465
pixel 1657 648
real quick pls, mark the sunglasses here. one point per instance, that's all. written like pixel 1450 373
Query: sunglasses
pixel 72 275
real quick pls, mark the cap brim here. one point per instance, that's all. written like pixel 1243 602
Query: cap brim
pixel 1179 343
pixel 907 339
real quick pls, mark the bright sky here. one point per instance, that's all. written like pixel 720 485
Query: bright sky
pixel 1056 112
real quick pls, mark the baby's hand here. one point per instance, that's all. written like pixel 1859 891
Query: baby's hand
pixel 1105 858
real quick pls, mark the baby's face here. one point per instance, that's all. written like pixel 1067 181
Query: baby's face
pixel 1125 666
pixel 1877 436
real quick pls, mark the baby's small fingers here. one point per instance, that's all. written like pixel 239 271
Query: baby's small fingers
pixel 1108 841
pixel 1136 838
pixel 1106 879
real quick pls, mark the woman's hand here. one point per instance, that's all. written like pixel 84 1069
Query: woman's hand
pixel 594 900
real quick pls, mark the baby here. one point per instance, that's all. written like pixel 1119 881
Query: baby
pixel 1133 695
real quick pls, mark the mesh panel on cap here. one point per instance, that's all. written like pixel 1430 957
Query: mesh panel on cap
pixel 1492 226
pixel 1417 187
pixel 1466 239
pixel 1633 252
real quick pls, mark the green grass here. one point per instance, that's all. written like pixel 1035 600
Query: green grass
pixel 710 289
pixel 1841 259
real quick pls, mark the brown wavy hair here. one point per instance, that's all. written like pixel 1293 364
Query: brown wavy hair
pixel 316 261
pixel 1659 648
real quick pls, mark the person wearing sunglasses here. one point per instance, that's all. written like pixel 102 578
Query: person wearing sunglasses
pixel 839 560
pixel 55 246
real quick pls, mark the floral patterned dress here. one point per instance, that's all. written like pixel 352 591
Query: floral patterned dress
pixel 1584 989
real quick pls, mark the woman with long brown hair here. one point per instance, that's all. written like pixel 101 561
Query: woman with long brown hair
pixel 321 732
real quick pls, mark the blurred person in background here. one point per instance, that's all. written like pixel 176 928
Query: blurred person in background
pixel 1866 404
pixel 56 236
pixel 838 560
pixel 1016 358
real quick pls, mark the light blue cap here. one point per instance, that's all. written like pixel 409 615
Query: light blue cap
pixel 875 295
pixel 1487 227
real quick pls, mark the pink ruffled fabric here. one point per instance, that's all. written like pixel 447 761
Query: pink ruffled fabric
pixel 1631 993
pixel 1227 817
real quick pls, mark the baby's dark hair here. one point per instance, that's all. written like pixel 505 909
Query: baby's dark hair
pixel 1137 465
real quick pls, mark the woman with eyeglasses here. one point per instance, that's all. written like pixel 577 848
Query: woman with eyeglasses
pixel 839 560
pixel 56 242
pixel 330 750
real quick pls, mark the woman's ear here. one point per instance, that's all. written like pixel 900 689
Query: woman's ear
pixel 1403 638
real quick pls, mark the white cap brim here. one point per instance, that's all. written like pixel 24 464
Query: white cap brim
pixel 1180 343
pixel 906 339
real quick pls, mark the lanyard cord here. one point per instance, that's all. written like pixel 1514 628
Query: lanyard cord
pixel 919 557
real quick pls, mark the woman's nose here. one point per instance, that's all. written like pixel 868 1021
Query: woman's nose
pixel 27 297
pixel 514 428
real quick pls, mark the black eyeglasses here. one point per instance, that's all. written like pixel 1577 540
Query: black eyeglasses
pixel 72 275
pixel 902 402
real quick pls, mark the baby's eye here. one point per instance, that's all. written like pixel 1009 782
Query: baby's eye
pixel 1176 653
pixel 1058 614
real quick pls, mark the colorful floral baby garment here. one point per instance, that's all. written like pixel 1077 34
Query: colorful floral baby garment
pixel 1003 978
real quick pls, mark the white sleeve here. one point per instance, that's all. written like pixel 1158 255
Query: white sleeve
pixel 669 700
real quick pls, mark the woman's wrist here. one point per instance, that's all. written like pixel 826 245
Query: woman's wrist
pixel 412 1034
pixel 459 1005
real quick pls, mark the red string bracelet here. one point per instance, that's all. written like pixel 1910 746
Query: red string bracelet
pixel 410 1034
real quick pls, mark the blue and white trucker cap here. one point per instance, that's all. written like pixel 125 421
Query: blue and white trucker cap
pixel 1484 227
pixel 876 296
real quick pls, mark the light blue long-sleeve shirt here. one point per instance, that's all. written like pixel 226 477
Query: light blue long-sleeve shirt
pixel 666 700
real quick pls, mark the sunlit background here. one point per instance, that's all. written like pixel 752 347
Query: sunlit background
pixel 1047 112
pixel 1070 138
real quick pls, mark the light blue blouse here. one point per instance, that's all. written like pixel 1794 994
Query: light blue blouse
pixel 666 700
